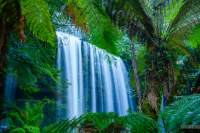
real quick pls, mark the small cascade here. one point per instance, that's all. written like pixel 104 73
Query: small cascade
pixel 9 97
pixel 10 88
pixel 96 81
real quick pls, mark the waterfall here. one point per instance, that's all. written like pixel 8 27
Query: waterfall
pixel 9 97
pixel 10 88
pixel 96 81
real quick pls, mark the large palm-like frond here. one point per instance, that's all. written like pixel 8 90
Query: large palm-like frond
pixel 186 19
pixel 170 12
pixel 183 25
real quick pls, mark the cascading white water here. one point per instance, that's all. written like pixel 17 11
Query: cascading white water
pixel 97 81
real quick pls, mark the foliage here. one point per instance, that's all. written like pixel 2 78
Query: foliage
pixel 193 38
pixel 168 30
pixel 56 6
pixel 106 122
pixel 140 57
pixel 28 118
pixel 38 63
pixel 139 123
pixel 163 26
pixel 101 31
pixel 63 126
pixel 37 17
pixel 28 63
pixel 187 70
pixel 183 111
pixel 124 49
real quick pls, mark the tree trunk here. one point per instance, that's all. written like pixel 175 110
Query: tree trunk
pixel 136 78
pixel 2 59
pixel 159 74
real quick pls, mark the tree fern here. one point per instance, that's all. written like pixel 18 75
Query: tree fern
pixel 38 19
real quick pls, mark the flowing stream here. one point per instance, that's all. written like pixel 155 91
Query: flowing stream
pixel 93 80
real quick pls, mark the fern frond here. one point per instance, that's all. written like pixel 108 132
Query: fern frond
pixel 183 30
pixel 89 16
pixel 59 127
pixel 184 111
pixel 171 11
pixel 38 19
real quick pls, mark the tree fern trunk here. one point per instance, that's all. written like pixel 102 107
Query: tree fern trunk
pixel 136 77
pixel 2 58
pixel 159 74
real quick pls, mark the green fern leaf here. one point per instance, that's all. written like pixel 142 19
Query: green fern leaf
pixel 38 19
pixel 184 111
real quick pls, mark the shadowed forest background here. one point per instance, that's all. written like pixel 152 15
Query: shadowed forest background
pixel 99 66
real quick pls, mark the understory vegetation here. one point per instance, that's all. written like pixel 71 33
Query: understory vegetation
pixel 159 41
